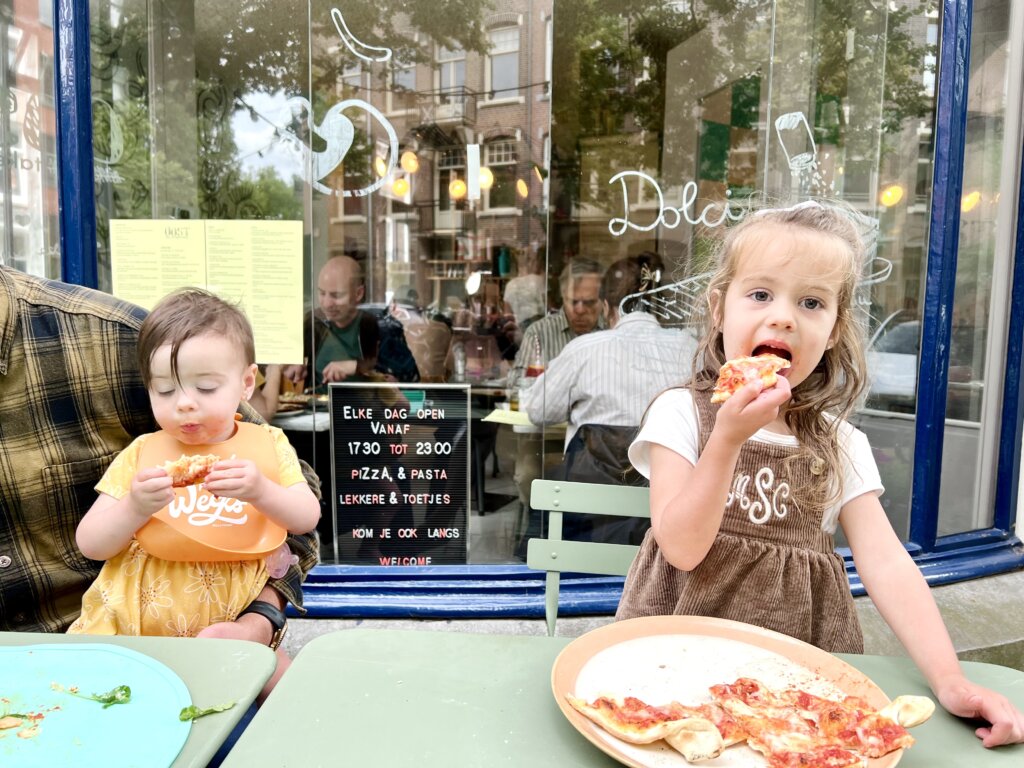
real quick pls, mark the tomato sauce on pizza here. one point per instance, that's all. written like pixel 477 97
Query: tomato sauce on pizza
pixel 738 372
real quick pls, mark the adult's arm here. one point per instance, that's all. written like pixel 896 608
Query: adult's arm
pixel 515 376
pixel 550 399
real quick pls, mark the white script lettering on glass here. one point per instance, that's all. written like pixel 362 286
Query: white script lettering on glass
pixel 667 215
pixel 759 510
pixel 207 509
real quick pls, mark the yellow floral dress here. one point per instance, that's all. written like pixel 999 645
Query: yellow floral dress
pixel 138 594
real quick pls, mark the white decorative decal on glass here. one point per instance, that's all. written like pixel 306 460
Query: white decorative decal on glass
pixel 336 130
pixel 103 170
pixel 359 48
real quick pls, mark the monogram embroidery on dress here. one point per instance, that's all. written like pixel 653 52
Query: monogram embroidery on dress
pixel 771 499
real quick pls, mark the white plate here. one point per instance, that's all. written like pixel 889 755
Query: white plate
pixel 676 658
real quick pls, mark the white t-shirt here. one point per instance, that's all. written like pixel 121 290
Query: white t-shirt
pixel 671 421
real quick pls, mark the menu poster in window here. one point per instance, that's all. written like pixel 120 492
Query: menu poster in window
pixel 256 263
pixel 400 455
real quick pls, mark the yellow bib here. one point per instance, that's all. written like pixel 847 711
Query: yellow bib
pixel 198 526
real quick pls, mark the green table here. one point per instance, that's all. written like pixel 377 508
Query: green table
pixel 365 697
pixel 215 672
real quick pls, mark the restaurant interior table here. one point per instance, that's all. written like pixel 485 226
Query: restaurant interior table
pixel 215 672
pixel 429 698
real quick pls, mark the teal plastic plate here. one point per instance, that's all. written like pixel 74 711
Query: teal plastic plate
pixel 72 731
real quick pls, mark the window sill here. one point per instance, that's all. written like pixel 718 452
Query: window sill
pixel 495 212
pixel 500 102
pixel 515 591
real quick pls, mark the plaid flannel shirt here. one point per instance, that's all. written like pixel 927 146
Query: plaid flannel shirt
pixel 71 398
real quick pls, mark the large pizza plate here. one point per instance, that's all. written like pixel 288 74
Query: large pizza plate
pixel 74 731
pixel 677 658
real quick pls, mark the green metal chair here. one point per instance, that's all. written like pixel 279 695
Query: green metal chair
pixel 556 555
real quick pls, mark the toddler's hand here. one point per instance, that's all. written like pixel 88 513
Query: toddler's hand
pixel 235 478
pixel 751 408
pixel 151 491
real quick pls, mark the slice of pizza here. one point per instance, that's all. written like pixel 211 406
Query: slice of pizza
pixel 629 719
pixel 735 373
pixel 189 470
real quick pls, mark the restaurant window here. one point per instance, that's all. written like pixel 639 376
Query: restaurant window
pixel 401 95
pixel 636 119
pixel 502 160
pixel 451 73
pixel 503 64
pixel 29 228
pixel 451 180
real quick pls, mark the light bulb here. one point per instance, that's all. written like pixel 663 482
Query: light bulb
pixel 400 187
pixel 486 178
pixel 970 201
pixel 457 189
pixel 380 166
pixel 521 188
pixel 409 162
pixel 891 195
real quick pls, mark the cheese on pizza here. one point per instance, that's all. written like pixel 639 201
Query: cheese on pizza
pixel 735 373
pixel 629 719
pixel 189 470
pixel 790 727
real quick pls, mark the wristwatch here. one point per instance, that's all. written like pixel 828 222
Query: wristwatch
pixel 274 615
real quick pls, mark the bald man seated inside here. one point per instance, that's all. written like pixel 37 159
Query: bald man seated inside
pixel 345 339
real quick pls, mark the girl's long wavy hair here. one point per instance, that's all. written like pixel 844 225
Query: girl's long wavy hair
pixel 833 390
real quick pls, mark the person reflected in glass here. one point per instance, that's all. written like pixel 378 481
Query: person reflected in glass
pixel 581 312
pixel 524 294
pixel 602 383
pixel 345 340
pixel 266 396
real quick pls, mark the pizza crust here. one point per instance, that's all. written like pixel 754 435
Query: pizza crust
pixel 909 711
pixel 696 739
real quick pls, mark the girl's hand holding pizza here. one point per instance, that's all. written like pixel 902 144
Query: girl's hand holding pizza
pixel 751 408
pixel 236 478
pixel 151 491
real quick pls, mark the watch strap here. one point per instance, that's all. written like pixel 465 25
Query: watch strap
pixel 271 613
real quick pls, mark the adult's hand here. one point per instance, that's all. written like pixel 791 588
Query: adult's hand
pixel 295 373
pixel 339 370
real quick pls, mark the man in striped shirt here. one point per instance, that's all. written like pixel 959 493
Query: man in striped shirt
pixel 71 398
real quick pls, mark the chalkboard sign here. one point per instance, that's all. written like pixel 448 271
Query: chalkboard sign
pixel 400 455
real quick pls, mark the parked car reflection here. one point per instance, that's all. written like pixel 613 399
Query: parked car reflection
pixel 892 365
pixel 893 362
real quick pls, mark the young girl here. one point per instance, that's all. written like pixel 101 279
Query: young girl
pixel 196 354
pixel 746 496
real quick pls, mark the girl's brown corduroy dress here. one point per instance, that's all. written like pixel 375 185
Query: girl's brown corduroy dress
pixel 771 564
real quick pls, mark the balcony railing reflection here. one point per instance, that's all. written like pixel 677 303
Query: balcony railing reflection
pixel 451 105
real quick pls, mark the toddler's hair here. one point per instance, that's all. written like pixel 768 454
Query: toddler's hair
pixel 185 314
pixel 837 384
